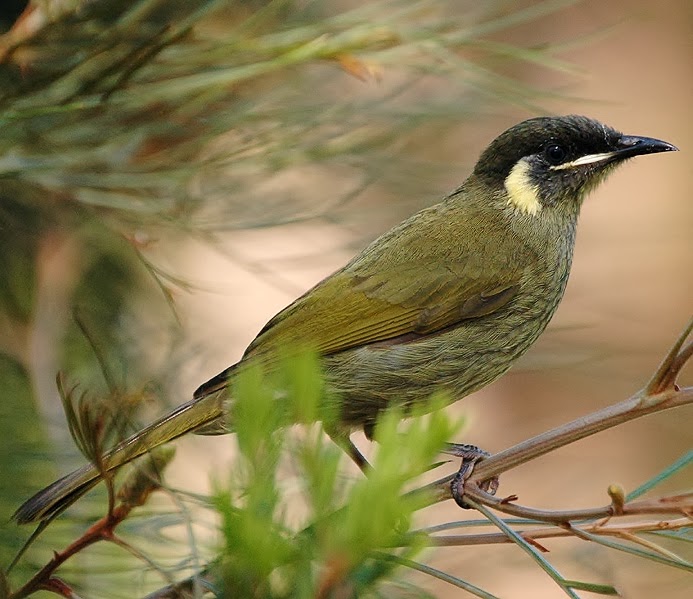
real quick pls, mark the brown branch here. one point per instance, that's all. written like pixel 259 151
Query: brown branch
pixel 661 393
pixel 44 580
pixel 556 532
pixel 585 426
pixel 671 366
pixel 634 407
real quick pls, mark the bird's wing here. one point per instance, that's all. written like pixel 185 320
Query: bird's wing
pixel 418 279
pixel 393 302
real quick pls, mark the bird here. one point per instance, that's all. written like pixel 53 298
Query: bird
pixel 447 300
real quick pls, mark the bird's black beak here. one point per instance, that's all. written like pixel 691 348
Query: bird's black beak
pixel 625 147
pixel 630 145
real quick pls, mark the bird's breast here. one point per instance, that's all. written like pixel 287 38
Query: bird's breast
pixel 458 360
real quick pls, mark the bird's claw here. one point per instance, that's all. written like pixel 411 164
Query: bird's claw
pixel 470 455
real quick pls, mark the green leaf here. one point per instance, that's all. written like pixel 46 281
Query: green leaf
pixel 665 474
pixel 527 548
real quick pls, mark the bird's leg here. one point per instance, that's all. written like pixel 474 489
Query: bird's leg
pixel 344 442
pixel 470 455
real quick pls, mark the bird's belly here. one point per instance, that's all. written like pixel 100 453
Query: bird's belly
pixel 457 362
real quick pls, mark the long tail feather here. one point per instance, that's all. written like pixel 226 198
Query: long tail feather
pixel 55 498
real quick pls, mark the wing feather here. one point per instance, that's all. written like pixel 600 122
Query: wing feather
pixel 416 285
pixel 418 279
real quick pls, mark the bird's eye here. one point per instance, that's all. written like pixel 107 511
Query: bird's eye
pixel 554 153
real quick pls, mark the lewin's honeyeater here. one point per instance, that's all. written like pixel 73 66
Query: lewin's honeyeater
pixel 448 299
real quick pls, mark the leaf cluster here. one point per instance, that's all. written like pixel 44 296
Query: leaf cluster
pixel 333 548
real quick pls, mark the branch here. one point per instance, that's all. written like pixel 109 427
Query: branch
pixel 555 532
pixel 634 407
pixel 661 393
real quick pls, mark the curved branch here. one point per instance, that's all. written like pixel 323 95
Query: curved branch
pixel 634 407
pixel 661 393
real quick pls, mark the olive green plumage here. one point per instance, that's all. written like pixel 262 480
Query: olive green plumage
pixel 448 299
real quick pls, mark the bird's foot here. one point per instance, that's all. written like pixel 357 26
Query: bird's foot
pixel 470 455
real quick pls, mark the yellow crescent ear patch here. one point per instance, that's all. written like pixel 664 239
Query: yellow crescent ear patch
pixel 522 193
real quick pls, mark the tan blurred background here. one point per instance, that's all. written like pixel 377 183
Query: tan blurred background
pixel 628 298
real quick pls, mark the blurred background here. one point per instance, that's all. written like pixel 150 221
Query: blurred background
pixel 159 205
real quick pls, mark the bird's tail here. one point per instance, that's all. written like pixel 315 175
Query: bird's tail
pixel 52 500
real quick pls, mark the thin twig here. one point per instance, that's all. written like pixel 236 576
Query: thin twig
pixel 672 364
pixel 553 532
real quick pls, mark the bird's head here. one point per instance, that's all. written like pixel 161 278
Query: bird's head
pixel 554 161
